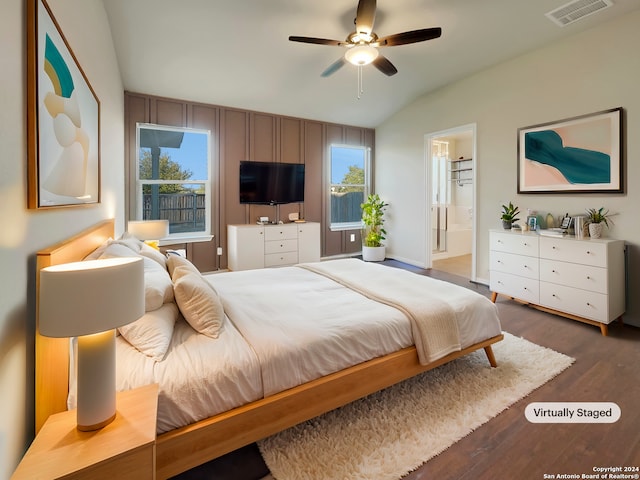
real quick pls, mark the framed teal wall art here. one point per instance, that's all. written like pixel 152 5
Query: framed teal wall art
pixel 577 155
pixel 63 118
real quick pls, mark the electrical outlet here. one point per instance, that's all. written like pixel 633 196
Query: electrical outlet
pixel 219 250
pixel 353 237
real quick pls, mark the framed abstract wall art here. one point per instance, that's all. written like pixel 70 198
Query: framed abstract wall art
pixel 577 155
pixel 63 118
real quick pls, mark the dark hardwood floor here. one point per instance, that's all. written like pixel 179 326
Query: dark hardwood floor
pixel 607 369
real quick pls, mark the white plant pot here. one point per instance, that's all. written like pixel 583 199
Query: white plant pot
pixel 595 230
pixel 373 254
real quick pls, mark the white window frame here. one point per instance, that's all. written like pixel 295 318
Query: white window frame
pixel 181 237
pixel 367 185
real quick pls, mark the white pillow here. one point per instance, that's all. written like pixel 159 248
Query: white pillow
pixel 151 334
pixel 138 246
pixel 199 303
pixel 98 251
pixel 158 288
pixel 174 260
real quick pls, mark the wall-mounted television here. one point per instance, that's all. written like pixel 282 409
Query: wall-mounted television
pixel 270 183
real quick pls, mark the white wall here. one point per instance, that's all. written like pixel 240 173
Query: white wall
pixel 589 72
pixel 24 232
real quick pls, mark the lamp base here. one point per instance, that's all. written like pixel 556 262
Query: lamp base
pixel 96 380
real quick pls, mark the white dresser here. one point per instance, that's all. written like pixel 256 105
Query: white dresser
pixel 260 246
pixel 580 279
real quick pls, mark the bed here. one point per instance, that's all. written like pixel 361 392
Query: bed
pixel 376 341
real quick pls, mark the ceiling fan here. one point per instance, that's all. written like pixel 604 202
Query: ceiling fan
pixel 362 44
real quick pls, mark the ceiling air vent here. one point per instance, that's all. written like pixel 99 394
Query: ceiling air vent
pixel 576 10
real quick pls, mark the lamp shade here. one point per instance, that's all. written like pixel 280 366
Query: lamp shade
pixel 88 297
pixel 148 229
pixel 361 54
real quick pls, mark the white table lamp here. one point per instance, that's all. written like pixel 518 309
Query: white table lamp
pixel 149 231
pixel 89 300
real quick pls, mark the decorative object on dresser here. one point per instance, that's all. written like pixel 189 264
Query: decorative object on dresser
pixel 260 246
pixel 581 279
pixel 89 300
pixel 149 231
pixel 597 219
pixel 509 215
pixel 373 232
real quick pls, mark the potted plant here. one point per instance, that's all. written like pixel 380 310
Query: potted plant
pixel 509 215
pixel 373 232
pixel 597 219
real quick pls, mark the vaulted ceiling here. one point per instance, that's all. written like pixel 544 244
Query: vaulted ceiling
pixel 236 52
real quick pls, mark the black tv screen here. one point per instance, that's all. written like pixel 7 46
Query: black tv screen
pixel 269 183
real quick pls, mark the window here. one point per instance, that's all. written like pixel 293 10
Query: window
pixel 349 185
pixel 173 178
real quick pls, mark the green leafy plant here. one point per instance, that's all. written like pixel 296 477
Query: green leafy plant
pixel 599 215
pixel 373 231
pixel 509 213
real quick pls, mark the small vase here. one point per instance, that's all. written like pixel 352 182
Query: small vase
pixel 506 225
pixel 595 230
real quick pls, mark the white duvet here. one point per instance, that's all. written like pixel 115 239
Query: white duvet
pixel 303 325
pixel 283 327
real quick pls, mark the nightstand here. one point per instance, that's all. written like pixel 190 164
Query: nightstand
pixel 124 449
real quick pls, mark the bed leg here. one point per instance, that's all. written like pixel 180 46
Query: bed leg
pixel 490 356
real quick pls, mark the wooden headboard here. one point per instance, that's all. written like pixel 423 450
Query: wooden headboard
pixel 52 354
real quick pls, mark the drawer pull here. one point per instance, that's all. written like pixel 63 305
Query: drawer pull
pixel 588 304
pixel 525 244
pixel 553 271
pixel 588 252
pixel 588 277
pixel 553 295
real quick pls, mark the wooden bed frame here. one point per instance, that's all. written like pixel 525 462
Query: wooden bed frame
pixel 193 445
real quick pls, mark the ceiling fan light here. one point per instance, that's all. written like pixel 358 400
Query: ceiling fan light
pixel 361 55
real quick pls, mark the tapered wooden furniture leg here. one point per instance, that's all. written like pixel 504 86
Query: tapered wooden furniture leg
pixel 492 358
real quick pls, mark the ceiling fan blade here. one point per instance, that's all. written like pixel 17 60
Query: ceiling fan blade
pixel 334 67
pixel 365 16
pixel 413 36
pixel 384 65
pixel 317 41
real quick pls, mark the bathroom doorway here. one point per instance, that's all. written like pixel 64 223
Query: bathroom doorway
pixel 451 166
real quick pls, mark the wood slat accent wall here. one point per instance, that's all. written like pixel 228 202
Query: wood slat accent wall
pixel 247 135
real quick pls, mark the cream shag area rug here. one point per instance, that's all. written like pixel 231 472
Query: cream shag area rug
pixel 392 432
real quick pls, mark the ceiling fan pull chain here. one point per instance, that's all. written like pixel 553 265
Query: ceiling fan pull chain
pixel 360 89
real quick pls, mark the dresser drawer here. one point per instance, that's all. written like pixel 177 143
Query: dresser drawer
pixel 279 259
pixel 582 303
pixel 280 232
pixel 585 277
pixel 585 252
pixel 517 243
pixel 526 289
pixel 515 264
pixel 281 246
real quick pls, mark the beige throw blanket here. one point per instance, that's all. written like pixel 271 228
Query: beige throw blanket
pixel 433 322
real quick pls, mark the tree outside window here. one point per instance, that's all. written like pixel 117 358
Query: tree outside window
pixel 349 185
